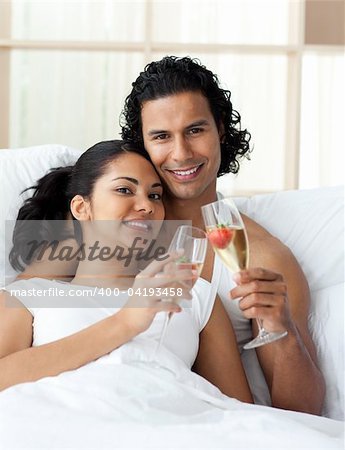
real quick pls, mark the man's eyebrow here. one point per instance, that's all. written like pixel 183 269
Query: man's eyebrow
pixel 198 123
pixel 153 132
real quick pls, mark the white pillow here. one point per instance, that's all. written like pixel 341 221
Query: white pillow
pixel 20 169
pixel 311 224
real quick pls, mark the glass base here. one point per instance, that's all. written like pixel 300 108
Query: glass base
pixel 265 337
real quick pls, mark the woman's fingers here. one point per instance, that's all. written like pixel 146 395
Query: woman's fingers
pixel 158 265
pixel 184 280
pixel 170 307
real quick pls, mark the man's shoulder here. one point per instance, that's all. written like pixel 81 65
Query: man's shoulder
pixel 265 249
pixel 255 231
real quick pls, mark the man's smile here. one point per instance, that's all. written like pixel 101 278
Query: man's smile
pixel 186 174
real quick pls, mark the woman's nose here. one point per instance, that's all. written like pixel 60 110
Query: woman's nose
pixel 145 205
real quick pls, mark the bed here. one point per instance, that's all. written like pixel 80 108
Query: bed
pixel 186 411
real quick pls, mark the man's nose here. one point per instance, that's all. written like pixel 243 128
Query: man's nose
pixel 181 149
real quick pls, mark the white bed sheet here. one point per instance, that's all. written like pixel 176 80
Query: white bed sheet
pixel 109 405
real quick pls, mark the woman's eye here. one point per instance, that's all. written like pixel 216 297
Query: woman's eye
pixel 155 196
pixel 123 190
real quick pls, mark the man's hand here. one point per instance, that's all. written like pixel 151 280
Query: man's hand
pixel 263 296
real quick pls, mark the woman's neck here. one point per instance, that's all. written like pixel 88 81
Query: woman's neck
pixel 97 268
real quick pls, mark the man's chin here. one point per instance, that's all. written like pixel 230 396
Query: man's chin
pixel 184 192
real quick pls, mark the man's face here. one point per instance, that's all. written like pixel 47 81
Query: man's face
pixel 183 141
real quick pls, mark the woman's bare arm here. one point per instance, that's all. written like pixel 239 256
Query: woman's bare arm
pixel 19 362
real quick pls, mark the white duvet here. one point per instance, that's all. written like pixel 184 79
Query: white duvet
pixel 108 404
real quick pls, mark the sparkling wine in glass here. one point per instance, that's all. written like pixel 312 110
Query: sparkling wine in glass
pixel 193 242
pixel 227 235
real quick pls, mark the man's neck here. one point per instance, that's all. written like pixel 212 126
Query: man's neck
pixel 181 209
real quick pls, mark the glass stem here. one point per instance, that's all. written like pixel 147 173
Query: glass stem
pixel 162 337
pixel 262 330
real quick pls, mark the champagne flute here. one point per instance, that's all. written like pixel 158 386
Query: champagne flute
pixel 193 242
pixel 227 235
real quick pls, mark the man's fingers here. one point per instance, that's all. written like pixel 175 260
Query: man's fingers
pixel 261 300
pixel 256 273
pixel 273 318
pixel 256 286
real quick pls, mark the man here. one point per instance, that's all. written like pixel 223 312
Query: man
pixel 177 110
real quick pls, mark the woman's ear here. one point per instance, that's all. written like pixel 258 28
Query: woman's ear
pixel 80 208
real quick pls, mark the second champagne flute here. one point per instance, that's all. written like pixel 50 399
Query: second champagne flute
pixel 227 235
pixel 193 242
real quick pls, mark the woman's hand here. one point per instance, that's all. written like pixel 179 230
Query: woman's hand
pixel 263 296
pixel 157 288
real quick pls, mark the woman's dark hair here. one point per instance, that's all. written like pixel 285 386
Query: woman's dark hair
pixel 53 193
pixel 173 75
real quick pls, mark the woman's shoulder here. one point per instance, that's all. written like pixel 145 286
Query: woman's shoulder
pixel 22 293
pixel 37 293
pixel 27 282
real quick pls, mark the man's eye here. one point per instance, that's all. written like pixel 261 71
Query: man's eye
pixel 160 137
pixel 195 130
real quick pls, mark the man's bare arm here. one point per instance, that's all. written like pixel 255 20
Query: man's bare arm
pixel 218 359
pixel 290 364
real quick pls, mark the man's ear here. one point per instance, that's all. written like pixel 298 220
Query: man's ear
pixel 80 208
pixel 221 132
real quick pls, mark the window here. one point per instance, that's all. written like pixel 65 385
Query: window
pixel 67 66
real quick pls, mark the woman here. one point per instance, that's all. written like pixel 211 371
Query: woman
pixel 110 184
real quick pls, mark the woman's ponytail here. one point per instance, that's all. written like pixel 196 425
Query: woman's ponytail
pixel 50 201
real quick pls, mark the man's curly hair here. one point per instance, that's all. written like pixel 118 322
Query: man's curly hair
pixel 172 75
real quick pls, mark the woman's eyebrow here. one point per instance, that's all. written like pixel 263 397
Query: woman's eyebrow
pixel 132 180
pixel 135 181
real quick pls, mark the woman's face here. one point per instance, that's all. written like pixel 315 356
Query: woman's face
pixel 126 202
